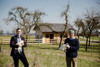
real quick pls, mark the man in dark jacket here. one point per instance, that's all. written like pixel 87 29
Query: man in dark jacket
pixel 72 48
pixel 17 43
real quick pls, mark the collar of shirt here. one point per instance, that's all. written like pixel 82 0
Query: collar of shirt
pixel 18 36
pixel 71 39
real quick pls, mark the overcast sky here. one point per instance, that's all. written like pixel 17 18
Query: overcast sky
pixel 52 8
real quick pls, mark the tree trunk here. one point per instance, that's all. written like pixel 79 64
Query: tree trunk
pixel 78 37
pixel 60 41
pixel 26 38
pixel 63 35
pixel 86 43
pixel 78 33
pixel 90 37
pixel 89 41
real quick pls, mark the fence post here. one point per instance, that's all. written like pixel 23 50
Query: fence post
pixel 32 40
pixel 39 41
pixel 0 48
pixel 2 41
pixel 51 41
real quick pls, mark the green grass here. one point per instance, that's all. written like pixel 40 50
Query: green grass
pixel 92 38
pixel 95 38
pixel 6 36
pixel 46 55
pixel 81 39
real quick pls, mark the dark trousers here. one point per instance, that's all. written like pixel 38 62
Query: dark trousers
pixel 22 58
pixel 73 60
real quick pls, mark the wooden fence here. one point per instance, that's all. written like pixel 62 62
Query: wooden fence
pixel 34 41
pixel 6 40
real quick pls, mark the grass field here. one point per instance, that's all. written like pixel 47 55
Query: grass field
pixel 46 55
pixel 92 38
pixel 82 39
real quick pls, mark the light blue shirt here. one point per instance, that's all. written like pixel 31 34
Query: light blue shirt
pixel 19 40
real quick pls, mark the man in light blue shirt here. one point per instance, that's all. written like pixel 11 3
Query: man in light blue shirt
pixel 17 43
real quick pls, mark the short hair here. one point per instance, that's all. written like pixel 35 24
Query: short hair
pixel 71 31
pixel 18 29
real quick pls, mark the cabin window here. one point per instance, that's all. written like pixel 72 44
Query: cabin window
pixel 51 36
pixel 47 35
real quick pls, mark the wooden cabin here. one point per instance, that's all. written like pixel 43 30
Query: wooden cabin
pixel 50 32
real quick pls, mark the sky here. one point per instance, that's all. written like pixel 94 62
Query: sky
pixel 52 8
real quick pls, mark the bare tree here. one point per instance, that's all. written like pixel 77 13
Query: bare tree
pixel 65 15
pixel 24 18
pixel 90 24
pixel 78 23
pixel 93 23
pixel 85 32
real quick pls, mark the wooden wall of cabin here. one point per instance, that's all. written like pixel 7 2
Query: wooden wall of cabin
pixel 47 36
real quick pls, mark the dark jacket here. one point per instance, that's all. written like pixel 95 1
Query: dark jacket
pixel 74 47
pixel 13 45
